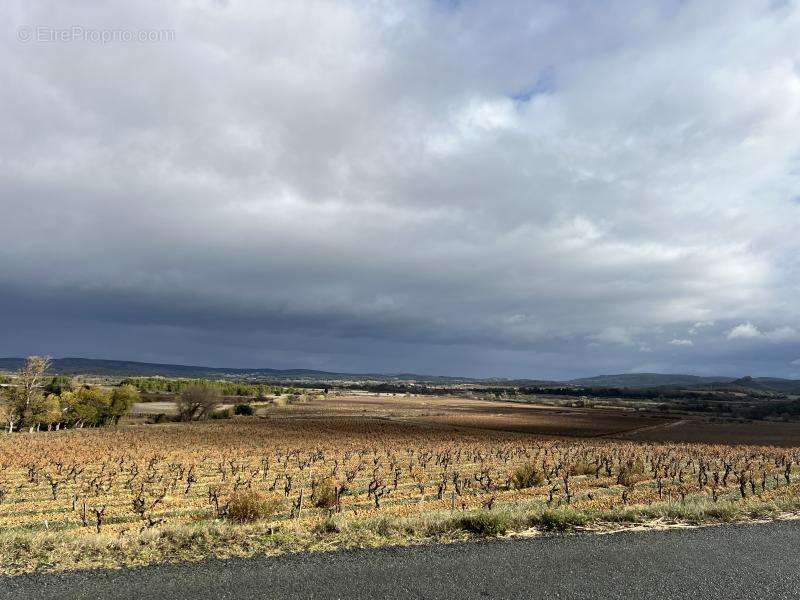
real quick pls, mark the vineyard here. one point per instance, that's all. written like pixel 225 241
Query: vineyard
pixel 128 482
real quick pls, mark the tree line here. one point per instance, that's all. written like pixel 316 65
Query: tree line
pixel 164 385
pixel 33 400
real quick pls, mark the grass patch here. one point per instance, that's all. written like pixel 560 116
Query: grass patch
pixel 485 523
pixel 559 519
pixel 24 551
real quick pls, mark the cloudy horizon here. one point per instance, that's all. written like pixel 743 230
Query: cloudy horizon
pixel 532 189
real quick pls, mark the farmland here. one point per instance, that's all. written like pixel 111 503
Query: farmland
pixel 361 470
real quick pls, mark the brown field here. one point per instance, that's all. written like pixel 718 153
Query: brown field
pixel 696 430
pixel 538 419
pixel 357 458
pixel 464 413
pixel 458 413
pixel 551 421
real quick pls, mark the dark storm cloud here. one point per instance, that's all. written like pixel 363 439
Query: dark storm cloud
pixel 546 189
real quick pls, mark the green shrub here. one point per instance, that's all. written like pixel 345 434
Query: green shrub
pixel 730 512
pixel 562 519
pixel 526 476
pixel 244 410
pixel 333 524
pixel 383 525
pixel 485 523
pixel 222 414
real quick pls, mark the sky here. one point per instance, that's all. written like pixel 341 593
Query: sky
pixel 491 189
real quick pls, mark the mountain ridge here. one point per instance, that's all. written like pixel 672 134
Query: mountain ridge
pixel 129 368
pixel 650 380
pixel 126 368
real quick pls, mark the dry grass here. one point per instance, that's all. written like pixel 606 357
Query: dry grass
pixel 26 552
pixel 247 506
pixel 526 476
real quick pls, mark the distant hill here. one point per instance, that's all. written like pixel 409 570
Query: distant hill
pixel 761 384
pixel 693 382
pixel 648 380
pixel 126 368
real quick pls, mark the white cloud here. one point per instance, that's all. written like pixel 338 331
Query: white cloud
pixel 745 331
pixel 699 326
pixel 777 336
pixel 679 342
pixel 795 362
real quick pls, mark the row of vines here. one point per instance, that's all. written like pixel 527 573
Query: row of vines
pixel 132 479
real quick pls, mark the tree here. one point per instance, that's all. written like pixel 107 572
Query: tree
pixel 59 384
pixel 122 399
pixel 10 408
pixel 31 381
pixel 50 411
pixel 39 411
pixel 90 406
pixel 4 413
pixel 244 410
pixel 197 402
pixel 87 405
pixel 67 402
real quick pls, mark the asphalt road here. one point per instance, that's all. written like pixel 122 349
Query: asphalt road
pixel 739 561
